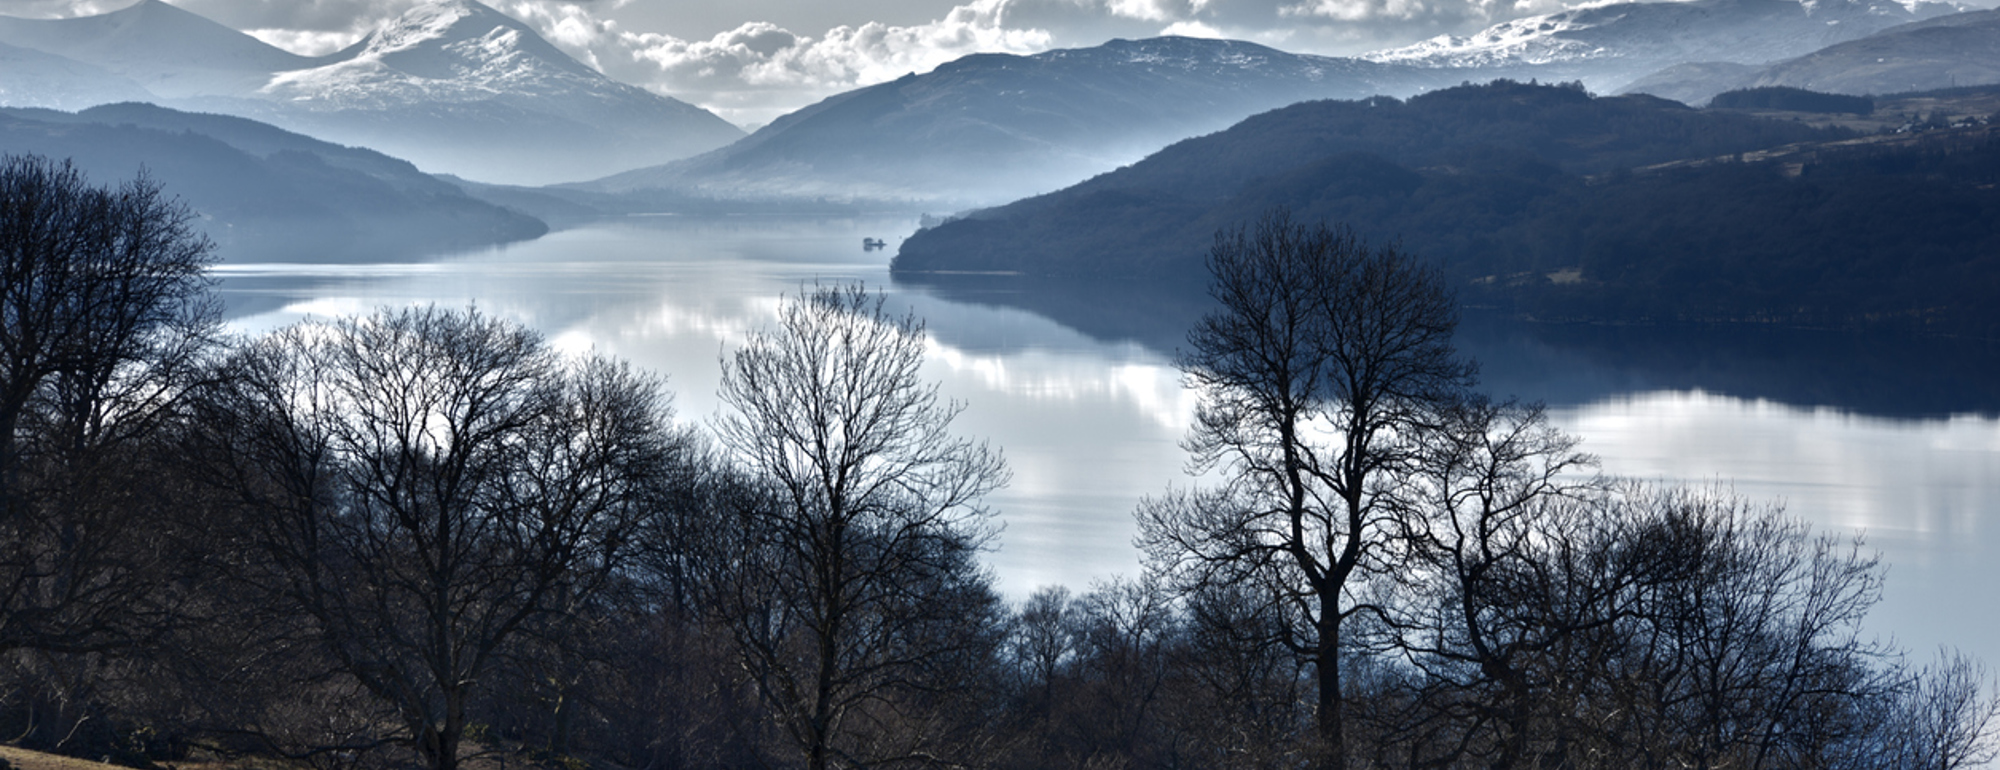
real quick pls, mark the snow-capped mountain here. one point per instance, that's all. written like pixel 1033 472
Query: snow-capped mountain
pixel 459 87
pixel 1611 44
pixel 453 52
pixel 990 127
pixel 452 85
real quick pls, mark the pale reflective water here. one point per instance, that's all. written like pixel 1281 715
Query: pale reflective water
pixel 1898 439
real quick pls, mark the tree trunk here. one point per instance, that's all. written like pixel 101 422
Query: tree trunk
pixel 559 732
pixel 441 742
pixel 1332 733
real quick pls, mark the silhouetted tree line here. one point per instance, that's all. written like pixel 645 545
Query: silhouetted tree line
pixel 1793 99
pixel 423 537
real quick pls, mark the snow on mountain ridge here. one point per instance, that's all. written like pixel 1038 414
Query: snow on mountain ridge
pixel 452 85
pixel 419 25
pixel 1516 40
pixel 1746 31
pixel 451 51
pixel 1197 56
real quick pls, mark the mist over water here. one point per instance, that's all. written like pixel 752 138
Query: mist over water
pixel 1894 438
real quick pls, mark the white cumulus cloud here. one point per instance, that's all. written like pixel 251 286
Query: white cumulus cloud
pixel 783 55
pixel 1193 29
pixel 760 70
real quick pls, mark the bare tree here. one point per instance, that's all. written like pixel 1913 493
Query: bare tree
pixel 103 311
pixel 1248 702
pixel 1739 642
pixel 1044 641
pixel 1938 720
pixel 854 574
pixel 423 485
pixel 1126 630
pixel 1505 573
pixel 1324 365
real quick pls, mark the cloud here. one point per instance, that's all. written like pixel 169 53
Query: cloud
pixel 783 55
pixel 306 41
pixel 1193 29
pixel 763 68
pixel 348 17
pixel 1149 10
pixel 759 70
pixel 58 9
pixel 1360 10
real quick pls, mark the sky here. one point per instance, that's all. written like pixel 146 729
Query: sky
pixel 752 60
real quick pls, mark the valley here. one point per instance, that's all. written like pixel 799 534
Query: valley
pixel 1000 402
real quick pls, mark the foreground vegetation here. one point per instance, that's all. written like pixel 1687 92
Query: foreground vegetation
pixel 423 537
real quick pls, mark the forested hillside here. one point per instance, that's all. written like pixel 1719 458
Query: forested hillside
pixel 1541 199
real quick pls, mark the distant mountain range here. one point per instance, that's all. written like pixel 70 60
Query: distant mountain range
pixel 453 86
pixel 989 128
pixel 264 193
pixel 1608 45
pixel 1956 50
pixel 459 88
pixel 992 127
pixel 1553 203
pixel 31 78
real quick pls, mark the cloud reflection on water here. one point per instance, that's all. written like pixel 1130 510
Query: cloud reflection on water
pixel 1090 426
pixel 1925 478
pixel 1925 493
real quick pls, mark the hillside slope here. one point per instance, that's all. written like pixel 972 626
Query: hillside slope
pixel 991 127
pixel 452 85
pixel 31 78
pixel 266 193
pixel 1607 45
pixel 1946 52
pixel 1541 199
pixel 171 52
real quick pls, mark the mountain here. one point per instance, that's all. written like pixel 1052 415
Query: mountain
pixel 1329 151
pixel 990 127
pixel 452 85
pixel 31 78
pixel 264 193
pixel 1957 50
pixel 170 52
pixel 460 87
pixel 1550 202
pixel 1607 46
pixel 1695 82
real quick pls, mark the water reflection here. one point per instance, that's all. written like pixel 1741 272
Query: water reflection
pixel 1896 438
pixel 1922 491
pixel 1572 364
pixel 1088 426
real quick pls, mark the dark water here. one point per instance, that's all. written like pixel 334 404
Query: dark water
pixel 1893 437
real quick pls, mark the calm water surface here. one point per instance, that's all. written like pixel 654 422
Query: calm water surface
pixel 1891 438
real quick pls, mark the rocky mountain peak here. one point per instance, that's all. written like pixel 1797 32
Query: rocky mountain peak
pixel 451 38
